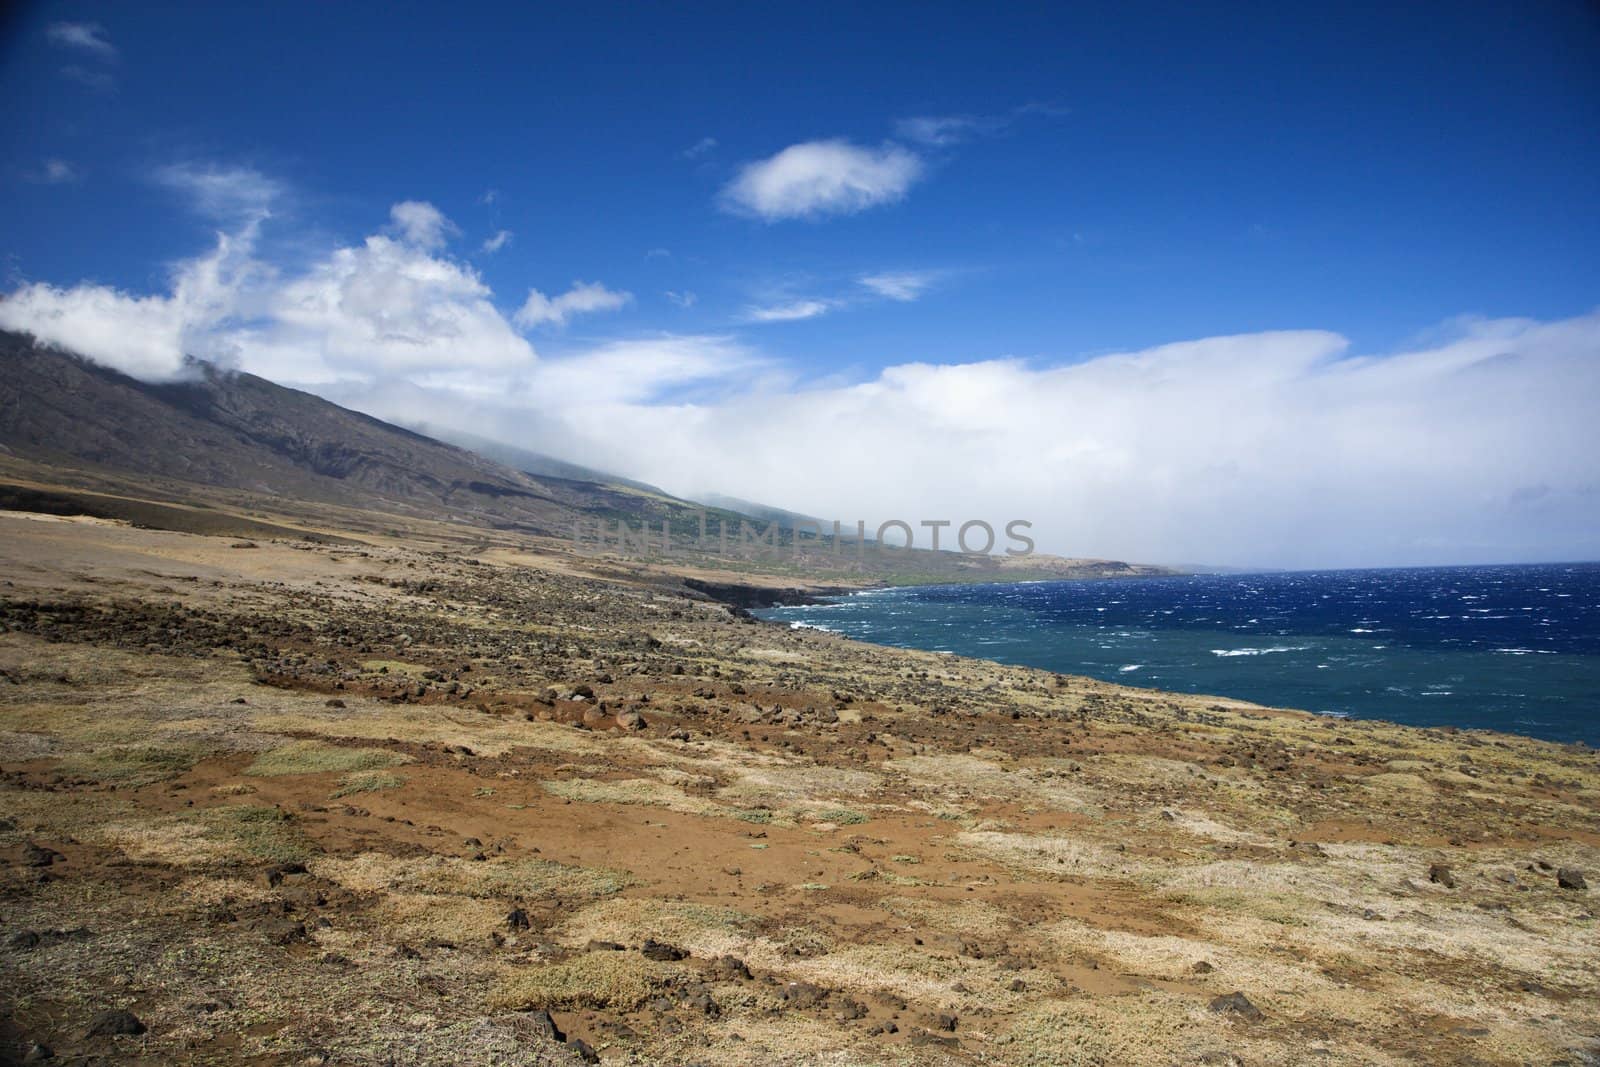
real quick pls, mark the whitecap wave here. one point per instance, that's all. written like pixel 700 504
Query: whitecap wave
pixel 1259 651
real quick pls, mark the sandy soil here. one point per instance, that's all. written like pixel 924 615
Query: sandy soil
pixel 404 801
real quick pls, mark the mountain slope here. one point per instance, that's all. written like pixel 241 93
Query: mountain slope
pixel 238 431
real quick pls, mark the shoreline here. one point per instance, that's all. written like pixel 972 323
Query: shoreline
pixel 1168 641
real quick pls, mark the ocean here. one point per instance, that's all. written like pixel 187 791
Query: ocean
pixel 1512 648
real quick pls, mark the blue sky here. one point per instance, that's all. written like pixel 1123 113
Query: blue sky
pixel 794 202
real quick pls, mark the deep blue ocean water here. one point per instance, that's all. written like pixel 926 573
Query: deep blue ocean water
pixel 1513 648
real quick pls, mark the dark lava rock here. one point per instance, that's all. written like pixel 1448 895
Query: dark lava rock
pixel 1237 1004
pixel 850 1010
pixel 38 1053
pixel 517 920
pixel 284 932
pixel 1571 878
pixel 1440 874
pixel 23 940
pixel 275 874
pixel 584 1051
pixel 1202 968
pixel 115 1024
pixel 34 855
pixel 803 995
pixel 730 969
pixel 544 1024
pixel 662 952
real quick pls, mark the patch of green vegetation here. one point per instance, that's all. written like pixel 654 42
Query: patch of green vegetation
pixel 366 782
pixel 313 757
pixel 755 815
pixel 842 816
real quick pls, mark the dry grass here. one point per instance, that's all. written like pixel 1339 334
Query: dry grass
pixel 617 981
pixel 366 782
pixel 450 876
pixel 311 757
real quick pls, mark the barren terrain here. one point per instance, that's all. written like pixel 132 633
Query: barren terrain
pixel 415 798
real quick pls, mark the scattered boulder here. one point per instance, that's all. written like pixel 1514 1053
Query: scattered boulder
pixel 730 969
pixel 1235 1004
pixel 631 720
pixel 1571 878
pixel 517 920
pixel 584 1050
pixel 115 1024
pixel 803 995
pixel 662 952
pixel 544 1024
pixel 1203 967
pixel 38 1053
pixel 36 855
pixel 1441 874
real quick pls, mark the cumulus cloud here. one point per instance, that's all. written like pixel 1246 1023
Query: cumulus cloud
pixel 421 224
pixel 901 285
pixel 495 243
pixel 582 299
pixel 819 178
pixel 382 306
pixel 85 36
pixel 146 336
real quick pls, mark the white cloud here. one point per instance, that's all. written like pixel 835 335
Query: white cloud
pixel 422 224
pixel 822 178
pixel 684 299
pixel 85 36
pixel 902 285
pixel 582 299
pixel 1276 449
pixel 699 148
pixel 498 241
pixel 792 312
pixel 145 336
pixel 940 131
pixel 377 308
pixel 382 307
pixel 55 172
pixel 223 194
